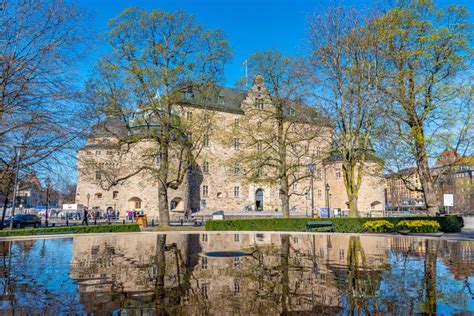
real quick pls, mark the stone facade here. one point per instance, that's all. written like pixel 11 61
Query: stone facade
pixel 216 183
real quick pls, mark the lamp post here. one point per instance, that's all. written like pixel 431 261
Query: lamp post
pixel 327 195
pixel 312 168
pixel 15 184
pixel 48 186
pixel 88 198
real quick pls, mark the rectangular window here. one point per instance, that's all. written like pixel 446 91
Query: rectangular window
pixel 259 104
pixel 320 194
pixel 236 143
pixel 220 99
pixel 259 125
pixel 88 153
pixel 205 191
pixel 98 153
pixel 205 167
pixel 204 288
pixel 158 159
pixel 109 153
pixel 98 176
pixel 236 192
pixel 338 173
pixel 236 287
pixel 236 237
pixel 204 237
pixel 204 262
pixel 236 123
pixel 189 115
pixel 205 140
pixel 308 194
pixel 318 151
pixel 115 195
pixel 188 95
pixel 259 145
pixel 295 187
pixel 207 118
pixel 259 172
pixel 236 169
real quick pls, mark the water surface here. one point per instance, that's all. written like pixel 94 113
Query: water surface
pixel 148 274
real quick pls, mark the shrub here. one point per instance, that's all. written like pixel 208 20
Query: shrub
pixel 448 224
pixel 71 230
pixel 382 226
pixel 419 226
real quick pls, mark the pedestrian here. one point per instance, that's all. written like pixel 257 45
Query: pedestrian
pixel 85 214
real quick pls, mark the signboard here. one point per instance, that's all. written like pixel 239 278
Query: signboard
pixel 324 212
pixel 72 207
pixel 448 199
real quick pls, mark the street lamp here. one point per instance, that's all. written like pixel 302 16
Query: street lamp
pixel 312 168
pixel 327 195
pixel 48 186
pixel 15 184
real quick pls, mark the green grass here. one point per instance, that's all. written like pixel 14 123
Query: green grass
pixel 116 228
pixel 449 224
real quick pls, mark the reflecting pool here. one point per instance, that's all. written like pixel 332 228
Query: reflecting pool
pixel 148 274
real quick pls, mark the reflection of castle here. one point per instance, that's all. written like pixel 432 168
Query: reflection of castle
pixel 264 273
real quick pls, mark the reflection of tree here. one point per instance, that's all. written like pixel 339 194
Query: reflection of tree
pixel 284 266
pixel 362 282
pixel 429 280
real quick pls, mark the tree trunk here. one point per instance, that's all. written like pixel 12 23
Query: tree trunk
pixel 164 220
pixel 284 263
pixel 284 198
pixel 427 183
pixel 431 250
pixel 5 203
pixel 160 274
pixel 353 199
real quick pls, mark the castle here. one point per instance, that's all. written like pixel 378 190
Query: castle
pixel 219 182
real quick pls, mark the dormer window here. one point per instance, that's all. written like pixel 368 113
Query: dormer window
pixel 188 95
pixel 220 99
pixel 189 115
pixel 259 104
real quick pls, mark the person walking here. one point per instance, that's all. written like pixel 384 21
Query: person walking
pixel 85 214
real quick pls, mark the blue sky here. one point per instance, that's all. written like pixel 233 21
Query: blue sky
pixel 249 25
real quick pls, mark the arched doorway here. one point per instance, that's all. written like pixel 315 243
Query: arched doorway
pixel 259 200
pixel 134 203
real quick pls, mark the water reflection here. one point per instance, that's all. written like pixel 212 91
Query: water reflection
pixel 236 274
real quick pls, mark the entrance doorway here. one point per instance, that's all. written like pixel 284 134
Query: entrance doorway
pixel 259 200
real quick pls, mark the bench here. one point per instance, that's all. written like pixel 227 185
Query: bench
pixel 319 226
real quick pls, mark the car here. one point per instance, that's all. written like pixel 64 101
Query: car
pixel 23 220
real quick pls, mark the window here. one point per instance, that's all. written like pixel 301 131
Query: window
pixel 207 118
pixel 205 191
pixel 115 195
pixel 341 254
pixel 98 153
pixel 338 173
pixel 204 288
pixel 88 153
pixel 308 194
pixel 205 167
pixel 318 151
pixel 295 187
pixel 259 145
pixel 204 263
pixel 236 169
pixel 292 112
pixel 259 125
pixel 158 159
pixel 109 153
pixel 236 237
pixel 236 123
pixel 205 140
pixel 188 95
pixel 98 195
pixel 320 194
pixel 236 191
pixel 98 176
pixel 189 115
pixel 236 287
pixel 190 136
pixel 204 237
pixel 318 172
pixel 259 172
pixel 259 104
pixel 236 143
pixel 220 99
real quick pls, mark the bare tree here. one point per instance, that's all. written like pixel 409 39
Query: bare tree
pixel 280 134
pixel 39 43
pixel 157 56
pixel 346 61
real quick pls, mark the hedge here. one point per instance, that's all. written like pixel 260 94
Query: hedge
pixel 449 224
pixel 71 230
